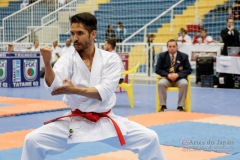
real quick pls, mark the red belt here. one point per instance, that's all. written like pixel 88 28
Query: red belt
pixel 93 117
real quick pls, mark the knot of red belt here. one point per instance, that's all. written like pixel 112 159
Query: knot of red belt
pixel 93 117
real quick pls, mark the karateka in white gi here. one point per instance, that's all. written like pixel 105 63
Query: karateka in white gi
pixel 68 47
pixel 87 77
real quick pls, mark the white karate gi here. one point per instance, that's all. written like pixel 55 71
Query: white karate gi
pixel 104 76
pixel 207 40
pixel 55 51
pixel 66 50
pixel 122 65
pixel 187 38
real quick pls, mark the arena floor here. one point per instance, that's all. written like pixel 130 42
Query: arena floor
pixel 210 131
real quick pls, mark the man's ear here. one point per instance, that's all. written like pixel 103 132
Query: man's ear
pixel 93 34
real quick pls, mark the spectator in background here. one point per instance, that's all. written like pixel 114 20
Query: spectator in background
pixel 10 47
pixel 25 3
pixel 109 46
pixel 35 46
pixel 68 47
pixel 184 37
pixel 180 31
pixel 150 40
pixel 63 2
pixel 229 36
pixel 236 10
pixel 56 51
pixel 121 32
pixel 110 33
pixel 174 67
pixel 52 5
pixel 202 38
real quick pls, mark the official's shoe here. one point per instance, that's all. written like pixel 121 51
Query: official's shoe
pixel 164 108
pixel 179 108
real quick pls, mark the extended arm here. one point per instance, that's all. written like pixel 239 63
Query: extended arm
pixel 69 88
pixel 49 73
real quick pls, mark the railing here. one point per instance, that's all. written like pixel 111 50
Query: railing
pixel 123 48
pixel 144 28
pixel 53 23
pixel 48 19
pixel 15 25
pixel 39 33
pixel 147 59
pixel 1 34
pixel 60 17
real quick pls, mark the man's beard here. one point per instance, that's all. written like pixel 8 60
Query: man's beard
pixel 81 47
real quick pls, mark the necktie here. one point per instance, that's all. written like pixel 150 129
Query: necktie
pixel 172 64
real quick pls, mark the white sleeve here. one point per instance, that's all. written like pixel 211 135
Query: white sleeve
pixel 209 39
pixel 110 77
pixel 62 51
pixel 63 69
pixel 58 50
pixel 188 39
pixel 199 40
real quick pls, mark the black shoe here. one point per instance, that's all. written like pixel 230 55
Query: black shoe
pixel 179 108
pixel 163 108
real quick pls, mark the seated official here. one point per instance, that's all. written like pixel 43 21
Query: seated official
pixel 184 37
pixel 202 38
pixel 173 67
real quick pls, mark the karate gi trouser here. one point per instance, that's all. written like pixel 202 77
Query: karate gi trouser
pixel 165 83
pixel 52 139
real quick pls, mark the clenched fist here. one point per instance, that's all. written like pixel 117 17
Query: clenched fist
pixel 46 53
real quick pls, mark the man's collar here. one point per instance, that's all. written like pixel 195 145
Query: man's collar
pixel 173 54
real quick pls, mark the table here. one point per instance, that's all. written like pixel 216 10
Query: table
pixel 228 64
pixel 194 50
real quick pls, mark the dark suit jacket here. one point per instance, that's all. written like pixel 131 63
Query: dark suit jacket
pixel 229 40
pixel 182 65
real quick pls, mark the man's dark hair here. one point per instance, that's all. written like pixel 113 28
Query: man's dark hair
pixel 88 20
pixel 203 29
pixel 181 29
pixel 112 42
pixel 172 40
pixel 184 31
pixel 35 41
pixel 229 18
pixel 152 35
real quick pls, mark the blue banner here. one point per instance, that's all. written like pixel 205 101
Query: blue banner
pixel 19 69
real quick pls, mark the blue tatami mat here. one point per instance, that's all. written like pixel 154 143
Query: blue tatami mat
pixel 81 150
pixel 200 136
pixel 193 135
pixel 5 105
pixel 231 157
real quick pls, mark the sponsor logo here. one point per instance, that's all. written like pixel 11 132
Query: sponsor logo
pixel 30 69
pixel 16 70
pixel 3 70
